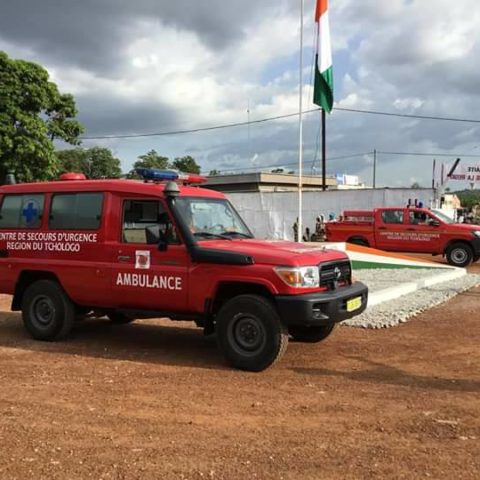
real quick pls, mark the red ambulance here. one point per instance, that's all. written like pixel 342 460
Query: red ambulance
pixel 164 248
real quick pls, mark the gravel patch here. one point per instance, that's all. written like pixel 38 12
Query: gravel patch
pixel 381 278
pixel 399 310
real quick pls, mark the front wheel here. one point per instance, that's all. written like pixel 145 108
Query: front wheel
pixel 48 313
pixel 312 334
pixel 250 333
pixel 459 255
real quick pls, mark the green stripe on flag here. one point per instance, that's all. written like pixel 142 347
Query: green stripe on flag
pixel 362 264
pixel 323 89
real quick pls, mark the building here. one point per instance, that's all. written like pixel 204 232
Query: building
pixel 450 201
pixel 266 182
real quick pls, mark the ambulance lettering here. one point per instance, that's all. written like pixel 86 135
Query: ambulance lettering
pixel 70 242
pixel 415 236
pixel 144 280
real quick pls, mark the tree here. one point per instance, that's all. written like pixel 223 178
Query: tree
pixel 213 173
pixel 150 160
pixel 469 198
pixel 186 164
pixel 96 162
pixel 33 113
pixel 73 160
pixel 415 185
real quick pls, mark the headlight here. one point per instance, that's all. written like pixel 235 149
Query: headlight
pixel 476 233
pixel 299 277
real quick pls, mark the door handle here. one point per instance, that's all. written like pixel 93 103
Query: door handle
pixel 411 229
pixel 382 228
pixel 124 258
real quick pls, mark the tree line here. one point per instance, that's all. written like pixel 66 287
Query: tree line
pixel 34 114
pixel 99 162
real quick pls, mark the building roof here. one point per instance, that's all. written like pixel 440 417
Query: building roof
pixel 265 182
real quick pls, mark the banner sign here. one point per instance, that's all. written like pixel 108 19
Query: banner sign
pixel 467 173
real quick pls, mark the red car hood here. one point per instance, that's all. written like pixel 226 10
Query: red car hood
pixel 276 252
pixel 464 227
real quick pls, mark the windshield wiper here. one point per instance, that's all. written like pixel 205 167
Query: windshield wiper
pixel 210 235
pixel 231 234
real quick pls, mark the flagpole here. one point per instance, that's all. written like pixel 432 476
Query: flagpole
pixel 324 152
pixel 300 130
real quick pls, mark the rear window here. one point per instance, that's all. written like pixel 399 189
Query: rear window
pixel 21 211
pixel 392 216
pixel 76 211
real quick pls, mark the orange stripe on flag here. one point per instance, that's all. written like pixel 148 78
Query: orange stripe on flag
pixel 381 253
pixel 322 6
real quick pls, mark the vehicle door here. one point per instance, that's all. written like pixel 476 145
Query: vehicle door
pixel 390 229
pixel 424 232
pixel 150 264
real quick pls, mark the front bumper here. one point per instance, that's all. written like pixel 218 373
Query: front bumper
pixel 321 308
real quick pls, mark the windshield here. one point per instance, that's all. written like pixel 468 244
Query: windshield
pixel 212 218
pixel 441 216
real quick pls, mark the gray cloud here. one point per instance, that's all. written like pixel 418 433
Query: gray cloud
pixel 108 115
pixel 93 33
pixel 394 58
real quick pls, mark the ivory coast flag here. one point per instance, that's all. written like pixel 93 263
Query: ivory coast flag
pixel 323 88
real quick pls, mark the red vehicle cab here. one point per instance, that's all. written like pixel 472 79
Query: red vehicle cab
pixel 130 249
pixel 411 229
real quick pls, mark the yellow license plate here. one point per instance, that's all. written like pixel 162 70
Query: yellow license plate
pixel 354 304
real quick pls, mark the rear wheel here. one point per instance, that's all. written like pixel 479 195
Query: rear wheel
pixel 48 313
pixel 120 318
pixel 459 254
pixel 250 333
pixel 358 241
pixel 312 334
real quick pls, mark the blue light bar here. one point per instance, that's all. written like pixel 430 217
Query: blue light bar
pixel 157 175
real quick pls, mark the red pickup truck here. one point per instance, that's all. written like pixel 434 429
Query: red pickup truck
pixel 416 230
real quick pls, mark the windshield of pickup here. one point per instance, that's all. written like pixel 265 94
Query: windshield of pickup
pixel 210 218
pixel 441 216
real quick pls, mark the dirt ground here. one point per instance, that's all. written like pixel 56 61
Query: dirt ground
pixel 155 400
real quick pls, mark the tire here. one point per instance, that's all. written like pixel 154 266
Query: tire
pixel 250 333
pixel 358 241
pixel 48 314
pixel 476 258
pixel 312 334
pixel 459 254
pixel 120 318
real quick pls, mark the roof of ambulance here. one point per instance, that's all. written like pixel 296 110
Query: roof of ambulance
pixel 121 186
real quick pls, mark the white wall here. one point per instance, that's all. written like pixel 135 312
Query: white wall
pixel 272 214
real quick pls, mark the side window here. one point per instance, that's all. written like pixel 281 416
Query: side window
pixel 76 211
pixel 418 218
pixel 147 222
pixel 21 211
pixel 392 216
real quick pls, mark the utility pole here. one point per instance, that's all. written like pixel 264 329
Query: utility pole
pixel 248 132
pixel 374 167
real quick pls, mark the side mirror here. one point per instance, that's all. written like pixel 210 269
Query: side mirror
pixel 434 223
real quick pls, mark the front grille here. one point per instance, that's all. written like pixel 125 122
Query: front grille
pixel 333 274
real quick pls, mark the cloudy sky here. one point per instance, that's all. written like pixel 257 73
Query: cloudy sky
pixel 160 65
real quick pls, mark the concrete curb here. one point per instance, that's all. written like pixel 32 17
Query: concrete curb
pixel 381 296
